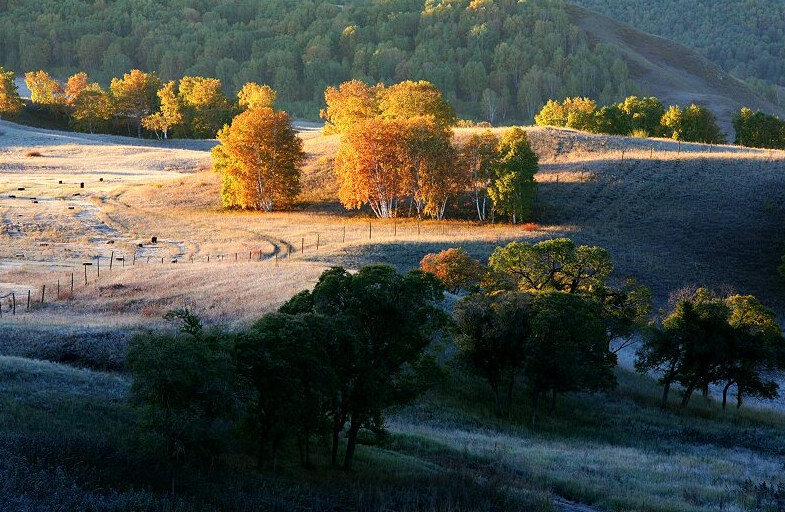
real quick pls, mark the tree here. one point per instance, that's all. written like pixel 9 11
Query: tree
pixel 612 120
pixel 259 158
pixel 253 95
pixel 371 166
pixel 512 188
pixel 477 157
pixel 384 321
pixel 455 268
pixel 429 157
pixel 568 349
pixel 407 100
pixel 553 265
pixel 492 335
pixel 181 390
pixel 284 365
pixel 577 113
pixel 135 95
pixel 644 114
pixel 170 113
pixel 692 124
pixel 44 90
pixel 75 85
pixel 759 130
pixel 205 106
pixel 10 102
pixel 90 107
pixel 348 104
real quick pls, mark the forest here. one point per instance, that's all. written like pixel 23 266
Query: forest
pixel 499 59
pixel 755 27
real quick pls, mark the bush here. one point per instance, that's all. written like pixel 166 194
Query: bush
pixel 455 268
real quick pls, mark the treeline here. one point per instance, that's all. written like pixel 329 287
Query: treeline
pixel 397 155
pixel 756 28
pixel 759 130
pixel 498 60
pixel 641 117
pixel 135 104
pixel 537 322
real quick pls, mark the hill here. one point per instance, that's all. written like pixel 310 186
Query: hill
pixel 743 38
pixel 672 72
pixel 494 60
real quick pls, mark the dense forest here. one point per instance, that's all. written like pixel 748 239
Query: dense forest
pixel 756 29
pixel 499 56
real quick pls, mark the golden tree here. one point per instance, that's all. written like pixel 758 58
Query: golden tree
pixel 75 85
pixel 206 107
pixel 409 99
pixel 476 158
pixel 170 113
pixel 44 90
pixel 253 95
pixel 259 158
pixel 92 106
pixel 10 102
pixel 135 95
pixel 348 104
pixel 371 166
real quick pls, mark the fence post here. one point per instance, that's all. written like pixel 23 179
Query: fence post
pixel 288 252
pixel 395 228
pixel 208 259
pixel 260 255
pixel 111 259
pixel 85 275
pixel 162 259
pixel 235 256
pixel 344 234
pixel 370 230
pixel 98 258
pixel 28 299
pixel 302 245
pixel 58 289
pixel 418 227
pixel 43 292
pixel 622 156
pixel 651 152
pixel 72 283
pixel 13 302
pixel 317 241
pixel 133 262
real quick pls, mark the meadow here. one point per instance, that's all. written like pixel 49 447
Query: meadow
pixel 670 214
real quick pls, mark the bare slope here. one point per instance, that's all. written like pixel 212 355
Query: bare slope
pixel 672 72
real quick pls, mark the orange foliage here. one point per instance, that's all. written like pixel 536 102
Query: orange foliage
pixel 455 268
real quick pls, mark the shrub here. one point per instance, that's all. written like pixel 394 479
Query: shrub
pixel 33 153
pixel 455 268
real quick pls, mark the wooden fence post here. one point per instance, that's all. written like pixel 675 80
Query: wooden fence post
pixel 43 292
pixel 260 255
pixel 13 302
pixel 111 259
pixel 28 299
pixel 72 283
pixel 98 259
pixel 58 289
pixel 344 234
pixel 85 275
pixel 133 262
pixel 317 241
pixel 370 230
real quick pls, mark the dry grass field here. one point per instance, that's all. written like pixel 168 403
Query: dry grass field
pixel 671 215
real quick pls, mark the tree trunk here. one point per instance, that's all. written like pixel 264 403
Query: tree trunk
pixel 739 396
pixel 337 427
pixel 665 390
pixel 351 443
pixel 725 393
pixel 687 395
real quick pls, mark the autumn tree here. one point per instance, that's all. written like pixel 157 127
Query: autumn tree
pixel 348 104
pixel 45 90
pixel 477 157
pixel 371 166
pixel 512 188
pixel 578 113
pixel 205 106
pixel 135 95
pixel 10 102
pixel 170 114
pixel 455 268
pixel 692 124
pixel 259 158
pixel 253 95
pixel 75 85
pixel 406 100
pixel 91 107
pixel 644 114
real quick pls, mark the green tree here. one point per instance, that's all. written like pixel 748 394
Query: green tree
pixel 644 114
pixel 513 188
pixel 692 124
pixel 205 106
pixel 759 130
pixel 493 336
pixel 91 107
pixel 182 392
pixel 477 158
pixel 568 348
pixel 170 113
pixel 385 321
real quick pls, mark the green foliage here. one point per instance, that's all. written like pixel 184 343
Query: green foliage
pixel 759 130
pixel 706 339
pixel 756 29
pixel 521 52
pixel 692 124
pixel 382 322
pixel 644 114
pixel 553 265
pixel 182 391
pixel 513 188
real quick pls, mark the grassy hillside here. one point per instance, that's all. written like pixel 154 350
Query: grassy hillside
pixel 743 38
pixel 65 440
